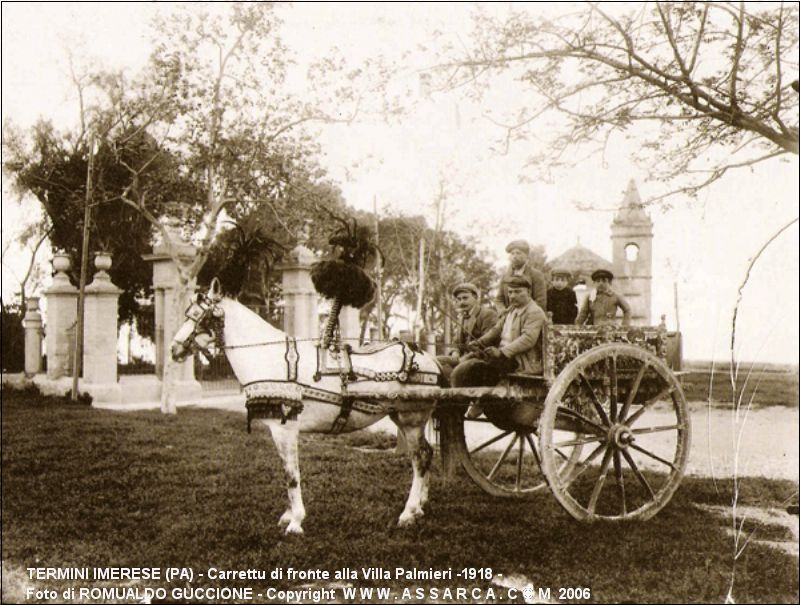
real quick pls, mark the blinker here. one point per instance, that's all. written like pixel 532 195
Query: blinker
pixel 195 312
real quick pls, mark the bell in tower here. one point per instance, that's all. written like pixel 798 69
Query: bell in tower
pixel 632 255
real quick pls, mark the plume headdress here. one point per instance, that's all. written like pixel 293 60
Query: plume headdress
pixel 344 278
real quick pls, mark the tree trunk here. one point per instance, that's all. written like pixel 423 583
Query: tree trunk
pixel 172 369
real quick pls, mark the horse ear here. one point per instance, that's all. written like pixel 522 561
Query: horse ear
pixel 215 292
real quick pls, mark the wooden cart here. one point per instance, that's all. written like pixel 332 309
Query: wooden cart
pixel 606 426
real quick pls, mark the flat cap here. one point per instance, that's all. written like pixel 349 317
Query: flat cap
pixel 602 273
pixel 518 281
pixel 561 271
pixel 518 244
pixel 466 287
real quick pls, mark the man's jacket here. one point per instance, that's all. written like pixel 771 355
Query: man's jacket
pixel 479 321
pixel 525 332
pixel 600 309
pixel 538 287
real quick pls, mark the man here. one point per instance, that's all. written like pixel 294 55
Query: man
pixel 512 345
pixel 519 257
pixel 561 300
pixel 474 320
pixel 600 307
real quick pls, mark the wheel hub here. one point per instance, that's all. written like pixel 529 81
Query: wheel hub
pixel 621 436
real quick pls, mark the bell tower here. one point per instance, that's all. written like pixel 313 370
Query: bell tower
pixel 632 255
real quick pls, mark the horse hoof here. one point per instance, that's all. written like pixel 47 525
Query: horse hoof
pixel 293 529
pixel 410 518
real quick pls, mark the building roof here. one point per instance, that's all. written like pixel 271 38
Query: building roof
pixel 580 259
pixel 632 210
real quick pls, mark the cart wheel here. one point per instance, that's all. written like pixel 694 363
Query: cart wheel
pixel 634 421
pixel 503 458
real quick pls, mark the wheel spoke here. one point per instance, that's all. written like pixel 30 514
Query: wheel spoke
pixel 534 450
pixel 612 404
pixel 583 465
pixel 658 429
pixel 580 441
pixel 639 474
pixel 632 392
pixel 596 402
pixel 565 411
pixel 620 480
pixel 519 463
pixel 667 390
pixel 653 456
pixel 598 486
pixel 489 442
pixel 502 457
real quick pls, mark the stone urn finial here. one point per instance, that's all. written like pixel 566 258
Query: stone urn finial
pixel 61 262
pixel 102 262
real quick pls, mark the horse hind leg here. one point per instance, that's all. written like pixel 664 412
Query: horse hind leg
pixel 412 425
pixel 285 437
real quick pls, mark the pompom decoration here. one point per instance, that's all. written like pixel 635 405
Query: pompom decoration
pixel 344 279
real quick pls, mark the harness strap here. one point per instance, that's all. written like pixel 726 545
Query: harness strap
pixel 344 414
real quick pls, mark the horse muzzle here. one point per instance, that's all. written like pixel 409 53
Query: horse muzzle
pixel 178 352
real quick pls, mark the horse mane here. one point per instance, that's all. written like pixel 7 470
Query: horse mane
pixel 250 328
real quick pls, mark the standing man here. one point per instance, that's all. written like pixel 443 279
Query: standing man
pixel 600 308
pixel 474 320
pixel 519 257
pixel 561 300
pixel 512 345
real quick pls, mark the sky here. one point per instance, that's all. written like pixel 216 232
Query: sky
pixel 702 249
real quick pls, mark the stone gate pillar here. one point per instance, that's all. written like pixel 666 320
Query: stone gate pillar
pixel 32 322
pixel 301 316
pixel 62 313
pixel 349 325
pixel 100 335
pixel 168 318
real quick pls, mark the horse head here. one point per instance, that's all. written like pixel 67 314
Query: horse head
pixel 203 329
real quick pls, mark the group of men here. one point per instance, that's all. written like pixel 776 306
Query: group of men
pixel 490 344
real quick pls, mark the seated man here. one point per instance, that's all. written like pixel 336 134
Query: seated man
pixel 511 345
pixel 474 321
pixel 600 307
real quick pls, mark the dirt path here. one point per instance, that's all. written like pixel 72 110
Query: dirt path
pixel 766 440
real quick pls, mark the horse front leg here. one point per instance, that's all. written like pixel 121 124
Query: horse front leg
pixel 412 425
pixel 285 437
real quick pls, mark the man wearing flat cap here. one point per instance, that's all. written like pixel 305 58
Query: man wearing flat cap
pixel 519 257
pixel 600 307
pixel 561 300
pixel 474 320
pixel 512 345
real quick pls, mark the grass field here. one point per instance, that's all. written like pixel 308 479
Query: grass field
pixel 87 487
pixel 761 384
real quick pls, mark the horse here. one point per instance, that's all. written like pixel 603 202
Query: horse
pixel 295 386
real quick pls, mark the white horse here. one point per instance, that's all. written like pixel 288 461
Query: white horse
pixel 294 386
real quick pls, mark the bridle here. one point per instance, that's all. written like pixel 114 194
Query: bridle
pixel 208 318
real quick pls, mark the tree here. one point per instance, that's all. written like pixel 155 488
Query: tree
pixel 214 97
pixel 710 81
pixel 244 255
pixel 210 111
pixel 52 166
pixel 448 260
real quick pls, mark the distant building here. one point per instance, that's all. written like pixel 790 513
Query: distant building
pixel 632 257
